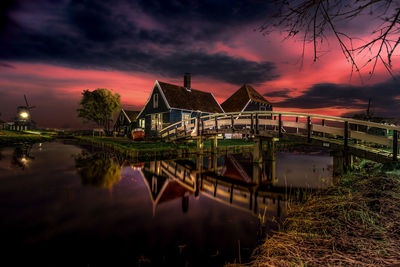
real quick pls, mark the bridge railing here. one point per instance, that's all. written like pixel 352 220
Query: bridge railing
pixel 310 125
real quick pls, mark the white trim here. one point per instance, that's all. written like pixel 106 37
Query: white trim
pixel 148 99
pixel 248 102
pixel 126 115
pixel 223 111
pixel 162 93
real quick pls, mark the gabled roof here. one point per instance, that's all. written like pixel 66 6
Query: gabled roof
pixel 131 114
pixel 238 101
pixel 179 97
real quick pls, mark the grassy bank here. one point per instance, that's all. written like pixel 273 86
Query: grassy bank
pixel 354 223
pixel 9 138
pixel 157 145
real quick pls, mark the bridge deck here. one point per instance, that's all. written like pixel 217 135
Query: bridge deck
pixel 365 139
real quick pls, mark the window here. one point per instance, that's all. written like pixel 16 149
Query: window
pixel 263 108
pixel 155 100
pixel 141 123
pixel 186 116
pixel 156 121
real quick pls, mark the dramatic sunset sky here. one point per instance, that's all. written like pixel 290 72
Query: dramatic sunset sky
pixel 52 50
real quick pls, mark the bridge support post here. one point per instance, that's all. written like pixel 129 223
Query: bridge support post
pixel 200 143
pixel 342 162
pixel 309 129
pixel 280 126
pixel 214 144
pixel 395 145
pixel 257 151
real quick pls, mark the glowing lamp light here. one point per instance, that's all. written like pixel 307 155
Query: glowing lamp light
pixel 24 115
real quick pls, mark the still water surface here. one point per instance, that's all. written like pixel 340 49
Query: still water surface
pixel 66 202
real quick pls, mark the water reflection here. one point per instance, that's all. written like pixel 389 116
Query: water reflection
pixel 234 180
pixel 22 156
pixel 98 169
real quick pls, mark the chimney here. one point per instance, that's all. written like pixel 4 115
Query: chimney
pixel 186 80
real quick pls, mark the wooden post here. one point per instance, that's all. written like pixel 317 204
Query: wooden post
pixel 323 124
pixel 280 126
pixel 309 129
pixel 346 134
pixel 216 124
pixel 395 144
pixel 256 123
pixel 252 124
pixel 232 122
pixel 198 125
pixel 297 128
pixel 176 132
pixel 168 134
pixel 202 126
pixel 184 128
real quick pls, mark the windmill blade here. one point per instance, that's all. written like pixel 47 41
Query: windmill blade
pixel 26 101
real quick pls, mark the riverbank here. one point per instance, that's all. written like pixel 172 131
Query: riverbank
pixel 354 223
pixel 9 138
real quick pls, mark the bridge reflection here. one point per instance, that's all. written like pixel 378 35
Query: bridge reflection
pixel 232 180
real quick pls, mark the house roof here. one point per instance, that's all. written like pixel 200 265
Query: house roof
pixel 241 97
pixel 179 97
pixel 131 114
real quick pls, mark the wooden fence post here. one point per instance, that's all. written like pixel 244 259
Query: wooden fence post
pixel 232 123
pixel 346 134
pixel 216 124
pixel 198 124
pixel 309 129
pixel 257 123
pixel 395 144
pixel 280 126
pixel 252 123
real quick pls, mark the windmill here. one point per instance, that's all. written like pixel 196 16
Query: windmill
pixel 23 112
pixel 23 118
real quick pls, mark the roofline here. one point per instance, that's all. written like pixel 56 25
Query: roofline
pixel 148 100
pixel 126 115
pixel 223 111
pixel 248 102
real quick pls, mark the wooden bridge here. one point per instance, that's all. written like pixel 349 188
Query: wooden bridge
pixel 364 139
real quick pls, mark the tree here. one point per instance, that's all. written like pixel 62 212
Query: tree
pixel 98 169
pixel 99 106
pixel 314 19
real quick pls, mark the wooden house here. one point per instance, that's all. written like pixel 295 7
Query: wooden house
pixel 169 103
pixel 246 99
pixel 125 122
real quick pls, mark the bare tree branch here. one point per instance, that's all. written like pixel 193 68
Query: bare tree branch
pixel 316 20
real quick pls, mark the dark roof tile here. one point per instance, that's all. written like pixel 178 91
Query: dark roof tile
pixel 180 98
pixel 237 101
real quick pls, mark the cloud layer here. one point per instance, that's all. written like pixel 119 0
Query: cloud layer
pixel 161 37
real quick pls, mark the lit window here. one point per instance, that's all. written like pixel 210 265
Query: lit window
pixel 155 100
pixel 186 116
pixel 156 121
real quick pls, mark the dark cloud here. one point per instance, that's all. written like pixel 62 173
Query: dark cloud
pixel 385 97
pixel 111 35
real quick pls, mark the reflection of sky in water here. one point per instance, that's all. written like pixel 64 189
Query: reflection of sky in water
pixel 302 170
pixel 49 210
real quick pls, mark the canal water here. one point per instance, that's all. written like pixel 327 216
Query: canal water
pixel 68 204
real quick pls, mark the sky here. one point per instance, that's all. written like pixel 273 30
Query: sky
pixel 52 50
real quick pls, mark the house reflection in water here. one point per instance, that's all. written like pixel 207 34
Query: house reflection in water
pixel 229 179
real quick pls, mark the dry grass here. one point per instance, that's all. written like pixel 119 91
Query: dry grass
pixel 355 223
